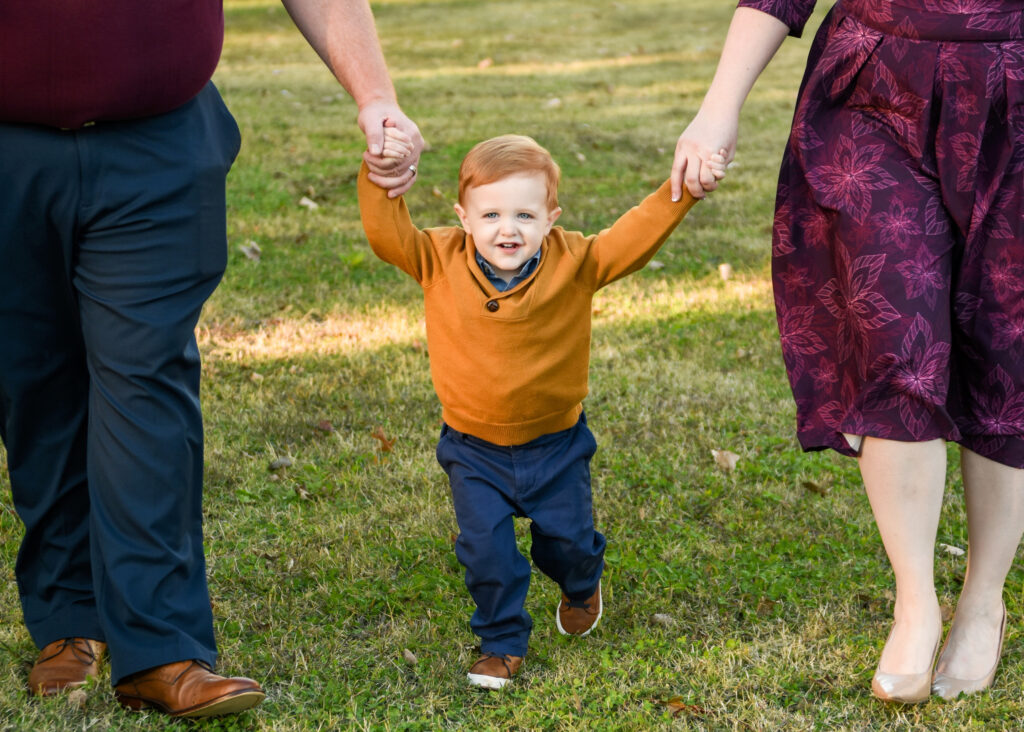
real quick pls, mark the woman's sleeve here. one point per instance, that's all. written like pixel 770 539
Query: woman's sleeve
pixel 794 13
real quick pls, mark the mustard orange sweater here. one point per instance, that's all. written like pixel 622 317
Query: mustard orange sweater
pixel 511 366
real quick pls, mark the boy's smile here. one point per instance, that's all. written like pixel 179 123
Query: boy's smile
pixel 508 219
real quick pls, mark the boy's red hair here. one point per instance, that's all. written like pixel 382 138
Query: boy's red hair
pixel 504 156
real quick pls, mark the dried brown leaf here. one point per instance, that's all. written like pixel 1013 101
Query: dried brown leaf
pixel 814 487
pixel 251 250
pixel 302 493
pixel 409 656
pixel 324 425
pixel 663 620
pixel 385 443
pixel 677 706
pixel 725 459
pixel 280 463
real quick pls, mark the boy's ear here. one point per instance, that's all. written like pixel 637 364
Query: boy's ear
pixel 553 215
pixel 461 213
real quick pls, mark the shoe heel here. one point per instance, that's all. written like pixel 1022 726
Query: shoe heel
pixel 131 702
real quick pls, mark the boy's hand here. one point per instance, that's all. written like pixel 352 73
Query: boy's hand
pixel 397 144
pixel 695 165
pixel 393 171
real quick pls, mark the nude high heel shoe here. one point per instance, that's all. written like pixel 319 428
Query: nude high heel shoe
pixel 904 688
pixel 950 687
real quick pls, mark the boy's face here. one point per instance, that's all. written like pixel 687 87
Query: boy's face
pixel 508 219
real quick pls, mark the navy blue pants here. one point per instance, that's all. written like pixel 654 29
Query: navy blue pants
pixel 111 239
pixel 546 480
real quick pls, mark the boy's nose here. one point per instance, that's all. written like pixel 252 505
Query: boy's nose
pixel 508 226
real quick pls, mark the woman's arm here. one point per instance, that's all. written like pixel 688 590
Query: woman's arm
pixel 754 37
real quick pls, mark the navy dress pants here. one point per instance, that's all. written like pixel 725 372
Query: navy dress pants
pixel 111 239
pixel 546 480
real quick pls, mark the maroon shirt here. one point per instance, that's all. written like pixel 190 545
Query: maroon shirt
pixel 64 63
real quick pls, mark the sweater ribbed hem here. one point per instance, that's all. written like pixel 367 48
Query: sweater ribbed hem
pixel 513 434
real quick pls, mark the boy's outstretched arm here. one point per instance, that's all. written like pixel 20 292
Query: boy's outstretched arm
pixel 390 231
pixel 636 236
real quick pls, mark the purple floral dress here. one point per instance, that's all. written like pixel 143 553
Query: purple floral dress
pixel 898 247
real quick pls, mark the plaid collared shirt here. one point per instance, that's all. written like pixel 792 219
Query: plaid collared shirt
pixel 525 271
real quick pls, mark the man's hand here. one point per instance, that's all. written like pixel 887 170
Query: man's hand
pixel 392 160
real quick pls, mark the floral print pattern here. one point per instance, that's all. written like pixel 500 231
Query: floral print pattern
pixel 898 243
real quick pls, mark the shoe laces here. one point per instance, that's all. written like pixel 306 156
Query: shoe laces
pixel 81 649
pixel 503 657
pixel 581 604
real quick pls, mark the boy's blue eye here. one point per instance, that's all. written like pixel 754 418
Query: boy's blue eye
pixel 490 215
pixel 525 216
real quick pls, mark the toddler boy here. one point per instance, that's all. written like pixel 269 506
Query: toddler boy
pixel 508 303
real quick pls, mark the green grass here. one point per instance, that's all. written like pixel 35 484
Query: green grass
pixel 778 597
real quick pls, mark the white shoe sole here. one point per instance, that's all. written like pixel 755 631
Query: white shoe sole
pixel 487 682
pixel 600 612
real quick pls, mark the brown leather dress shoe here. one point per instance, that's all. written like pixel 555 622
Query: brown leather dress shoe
pixel 188 689
pixel 65 664
pixel 579 617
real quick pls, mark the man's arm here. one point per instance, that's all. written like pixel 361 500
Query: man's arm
pixel 343 34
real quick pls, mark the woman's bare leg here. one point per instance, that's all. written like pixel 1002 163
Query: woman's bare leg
pixel 994 496
pixel 905 482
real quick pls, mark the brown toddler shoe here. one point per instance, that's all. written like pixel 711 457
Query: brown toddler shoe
pixel 579 617
pixel 493 670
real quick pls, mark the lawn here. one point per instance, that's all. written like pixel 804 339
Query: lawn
pixel 752 598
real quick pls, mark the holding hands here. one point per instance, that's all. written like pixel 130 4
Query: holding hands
pixel 394 144
pixel 695 165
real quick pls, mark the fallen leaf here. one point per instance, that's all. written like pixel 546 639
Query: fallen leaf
pixel 581 157
pixel 77 697
pixel 409 656
pixel 255 377
pixel 947 612
pixel 725 459
pixel 385 443
pixel 725 271
pixel 301 492
pixel 813 487
pixel 280 463
pixel 325 425
pixel 677 707
pixel 655 264
pixel 436 192
pixel 309 203
pixel 251 250
pixel 485 63
pixel 954 550
pixel 765 606
pixel 663 620
pixel 553 103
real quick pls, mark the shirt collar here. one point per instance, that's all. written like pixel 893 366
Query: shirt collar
pixel 525 271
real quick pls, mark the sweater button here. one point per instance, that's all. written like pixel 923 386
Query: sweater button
pixel 493 305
